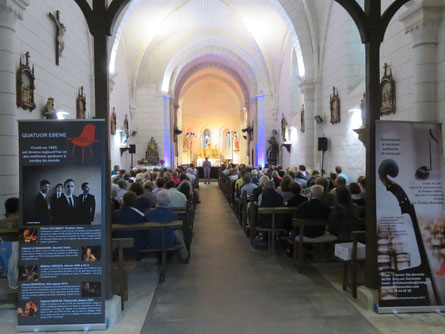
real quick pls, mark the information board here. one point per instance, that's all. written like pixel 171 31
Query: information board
pixel 410 216
pixel 62 235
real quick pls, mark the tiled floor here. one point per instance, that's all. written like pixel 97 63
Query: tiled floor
pixel 230 288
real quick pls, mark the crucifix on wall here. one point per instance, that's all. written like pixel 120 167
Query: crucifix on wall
pixel 60 33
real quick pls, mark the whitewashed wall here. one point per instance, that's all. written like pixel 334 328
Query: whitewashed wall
pixel 120 100
pixel 36 34
pixel 343 67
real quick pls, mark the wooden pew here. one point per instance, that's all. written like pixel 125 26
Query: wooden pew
pixel 245 200
pixel 271 231
pixel 154 225
pixel 185 215
pixel 119 244
pixel 353 263
pixel 298 253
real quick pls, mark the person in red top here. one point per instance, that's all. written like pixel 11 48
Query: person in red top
pixel 175 178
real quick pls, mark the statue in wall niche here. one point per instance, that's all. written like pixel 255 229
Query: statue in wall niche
pixel 335 107
pixel 60 32
pixel 152 154
pixel 25 83
pixel 49 110
pixel 284 129
pixel 363 110
pixel 126 130
pixel 272 151
pixel 113 122
pixel 81 105
pixel 388 92
pixel 302 128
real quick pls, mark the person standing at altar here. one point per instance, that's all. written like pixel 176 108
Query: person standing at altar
pixel 207 167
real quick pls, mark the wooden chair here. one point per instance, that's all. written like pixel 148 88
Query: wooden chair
pixel 274 211
pixel 120 285
pixel 326 239
pixel 154 225
pixel 355 236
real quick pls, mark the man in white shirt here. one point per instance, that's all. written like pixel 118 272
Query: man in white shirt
pixel 178 199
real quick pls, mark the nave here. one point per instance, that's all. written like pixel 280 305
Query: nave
pixel 228 287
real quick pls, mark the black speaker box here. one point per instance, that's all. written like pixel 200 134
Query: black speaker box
pixel 322 144
pixel 132 149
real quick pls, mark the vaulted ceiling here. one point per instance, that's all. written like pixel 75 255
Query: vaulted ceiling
pixel 167 41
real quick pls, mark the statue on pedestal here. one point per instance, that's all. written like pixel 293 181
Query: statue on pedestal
pixel 152 154
pixel 272 151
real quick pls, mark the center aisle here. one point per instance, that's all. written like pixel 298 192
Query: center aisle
pixel 228 287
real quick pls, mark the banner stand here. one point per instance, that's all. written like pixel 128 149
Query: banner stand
pixel 50 328
pixel 410 309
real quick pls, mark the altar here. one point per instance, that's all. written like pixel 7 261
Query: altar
pixel 209 152
pixel 215 162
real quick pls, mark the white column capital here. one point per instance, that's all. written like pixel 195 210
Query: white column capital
pixel 11 10
pixel 422 21
pixel 307 88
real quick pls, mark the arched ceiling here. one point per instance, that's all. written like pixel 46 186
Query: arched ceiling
pixel 163 36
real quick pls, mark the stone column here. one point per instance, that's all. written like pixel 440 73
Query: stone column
pixel 167 134
pixel 260 131
pixel 10 11
pixel 422 22
pixel 307 88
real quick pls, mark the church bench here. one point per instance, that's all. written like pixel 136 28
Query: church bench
pixel 185 214
pixel 274 211
pixel 326 239
pixel 119 284
pixel 245 200
pixel 154 225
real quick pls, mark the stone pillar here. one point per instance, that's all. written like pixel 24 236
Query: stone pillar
pixel 10 11
pixel 422 22
pixel 167 134
pixel 307 88
pixel 260 131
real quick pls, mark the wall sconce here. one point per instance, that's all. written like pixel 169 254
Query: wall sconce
pixel 318 119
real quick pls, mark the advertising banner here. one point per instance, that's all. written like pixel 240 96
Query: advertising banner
pixel 62 235
pixel 410 216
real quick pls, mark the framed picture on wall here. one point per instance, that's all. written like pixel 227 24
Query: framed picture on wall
pixel 25 85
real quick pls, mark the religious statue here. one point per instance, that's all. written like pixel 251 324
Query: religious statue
pixel 60 31
pixel 272 151
pixel 126 130
pixel 303 125
pixel 113 122
pixel 335 106
pixel 388 92
pixel 363 110
pixel 49 111
pixel 81 105
pixel 152 154
pixel 205 138
pixel 284 129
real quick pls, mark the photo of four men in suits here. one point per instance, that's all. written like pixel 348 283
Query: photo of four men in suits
pixel 64 208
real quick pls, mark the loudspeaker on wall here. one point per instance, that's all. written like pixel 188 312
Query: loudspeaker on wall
pixel 322 144
pixel 132 149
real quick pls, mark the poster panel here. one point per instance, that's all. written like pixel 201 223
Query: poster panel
pixel 410 216
pixel 62 235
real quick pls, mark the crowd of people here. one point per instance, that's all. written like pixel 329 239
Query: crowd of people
pixel 313 195
pixel 142 196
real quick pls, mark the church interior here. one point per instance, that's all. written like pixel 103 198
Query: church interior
pixel 182 81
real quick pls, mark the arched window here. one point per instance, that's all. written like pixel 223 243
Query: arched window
pixel 205 138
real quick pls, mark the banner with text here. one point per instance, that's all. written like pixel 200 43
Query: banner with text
pixel 62 235
pixel 410 215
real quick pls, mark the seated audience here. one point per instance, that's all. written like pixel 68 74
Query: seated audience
pixel 115 205
pixel 313 209
pixel 148 193
pixel 163 214
pixel 327 198
pixel 142 203
pixel 341 181
pixel 301 179
pixel 298 198
pixel 175 178
pixel 185 186
pixel 343 209
pixel 122 189
pixel 276 179
pixel 283 189
pixel 177 198
pixel 248 186
pixel 257 192
pixel 338 170
pixel 12 208
pixel 362 183
pixel 356 197
pixel 255 178
pixel 160 182
pixel 128 214
pixel 270 198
